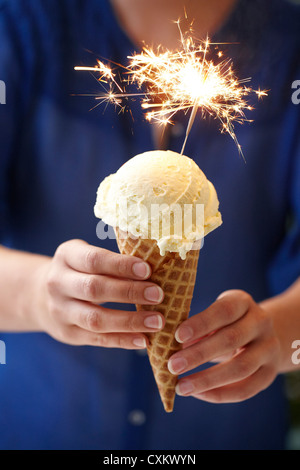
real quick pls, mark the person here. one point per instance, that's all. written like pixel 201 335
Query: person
pixel 76 375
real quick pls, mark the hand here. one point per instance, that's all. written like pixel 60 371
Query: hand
pixel 238 334
pixel 79 278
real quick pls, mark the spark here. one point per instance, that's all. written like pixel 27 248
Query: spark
pixel 189 79
pixel 106 73
pixel 261 93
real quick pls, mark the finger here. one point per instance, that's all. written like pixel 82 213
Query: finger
pixel 79 337
pixel 240 391
pixel 243 365
pixel 98 319
pixel 224 311
pixel 100 289
pixel 89 259
pixel 221 343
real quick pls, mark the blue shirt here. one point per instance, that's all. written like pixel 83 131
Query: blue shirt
pixel 54 154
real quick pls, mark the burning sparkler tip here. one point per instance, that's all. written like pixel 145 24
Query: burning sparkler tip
pixel 182 80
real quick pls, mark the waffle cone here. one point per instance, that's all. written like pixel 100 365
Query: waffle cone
pixel 177 279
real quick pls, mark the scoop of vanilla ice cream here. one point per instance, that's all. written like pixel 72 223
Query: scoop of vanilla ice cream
pixel 160 195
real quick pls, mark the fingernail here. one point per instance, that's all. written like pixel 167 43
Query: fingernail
pixel 139 342
pixel 141 270
pixel 154 321
pixel 177 365
pixel 184 333
pixel 154 294
pixel 184 387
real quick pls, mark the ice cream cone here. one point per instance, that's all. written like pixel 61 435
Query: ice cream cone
pixel 157 195
pixel 176 277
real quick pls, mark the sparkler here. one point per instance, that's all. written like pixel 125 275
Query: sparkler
pixel 182 80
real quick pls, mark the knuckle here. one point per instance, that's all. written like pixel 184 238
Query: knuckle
pixel 92 260
pixel 232 338
pixel 131 291
pixel 90 287
pixel 61 251
pixel 227 310
pixel 52 284
pixel 206 382
pixel 198 356
pixel 122 342
pixel 93 320
pixel 109 341
pixel 132 322
pixel 101 340
pixel 121 265
pixel 245 296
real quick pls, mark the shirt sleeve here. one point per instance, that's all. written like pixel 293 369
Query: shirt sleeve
pixel 10 106
pixel 285 267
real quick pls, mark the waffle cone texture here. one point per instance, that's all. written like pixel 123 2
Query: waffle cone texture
pixel 177 279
